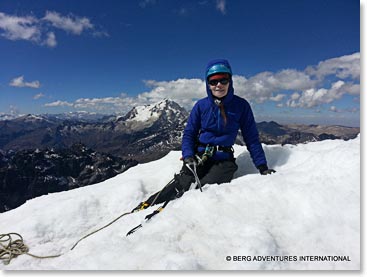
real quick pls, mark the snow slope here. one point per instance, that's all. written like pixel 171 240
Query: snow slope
pixel 310 207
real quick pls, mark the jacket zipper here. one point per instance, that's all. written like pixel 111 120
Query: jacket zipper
pixel 218 120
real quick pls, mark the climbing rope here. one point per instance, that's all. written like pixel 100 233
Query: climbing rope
pixel 12 245
pixel 113 221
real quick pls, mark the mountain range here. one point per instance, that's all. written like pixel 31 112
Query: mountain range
pixel 47 153
pixel 145 133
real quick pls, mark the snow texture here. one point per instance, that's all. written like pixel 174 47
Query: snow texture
pixel 310 207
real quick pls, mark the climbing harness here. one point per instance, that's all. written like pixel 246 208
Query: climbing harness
pixel 209 152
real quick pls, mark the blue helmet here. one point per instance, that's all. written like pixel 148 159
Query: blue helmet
pixel 218 66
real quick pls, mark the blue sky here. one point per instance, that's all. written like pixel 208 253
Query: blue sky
pixel 293 60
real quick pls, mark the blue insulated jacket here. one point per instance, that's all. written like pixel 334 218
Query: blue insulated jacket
pixel 206 125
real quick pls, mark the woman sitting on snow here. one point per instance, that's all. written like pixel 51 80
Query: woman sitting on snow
pixel 209 136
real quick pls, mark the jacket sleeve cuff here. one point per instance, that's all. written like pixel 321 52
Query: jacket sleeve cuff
pixel 262 168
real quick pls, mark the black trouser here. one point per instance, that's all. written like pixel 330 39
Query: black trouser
pixel 211 172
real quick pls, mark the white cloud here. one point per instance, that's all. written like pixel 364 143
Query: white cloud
pixel 19 82
pixel 314 97
pixel 19 28
pixel 59 104
pixel 71 23
pixel 50 40
pixel 288 87
pixel 302 88
pixel 295 96
pixel 263 86
pixel 221 6
pixel 41 31
pixel 347 110
pixel 342 67
pixel 120 104
pixel 278 97
pixel 183 91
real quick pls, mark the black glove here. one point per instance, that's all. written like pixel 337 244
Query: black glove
pixel 190 161
pixel 264 170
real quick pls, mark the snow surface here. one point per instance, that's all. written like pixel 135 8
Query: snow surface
pixel 310 207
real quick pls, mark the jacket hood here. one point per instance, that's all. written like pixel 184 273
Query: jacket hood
pixel 230 93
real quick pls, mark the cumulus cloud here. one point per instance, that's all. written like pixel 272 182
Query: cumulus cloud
pixel 315 97
pixel 41 31
pixel 183 91
pixel 305 89
pixel 19 82
pixel 19 28
pixel 288 88
pixel 264 86
pixel 342 67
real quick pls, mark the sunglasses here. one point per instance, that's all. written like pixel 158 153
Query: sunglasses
pixel 215 82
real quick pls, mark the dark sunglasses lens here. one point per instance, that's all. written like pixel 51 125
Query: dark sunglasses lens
pixel 215 82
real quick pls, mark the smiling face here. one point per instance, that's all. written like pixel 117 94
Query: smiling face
pixel 219 85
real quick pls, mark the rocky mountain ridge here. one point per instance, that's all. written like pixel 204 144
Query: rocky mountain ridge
pixel 28 174
pixel 274 133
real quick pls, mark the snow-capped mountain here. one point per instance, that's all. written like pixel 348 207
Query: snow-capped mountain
pixel 166 108
pixel 306 216
pixel 165 112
